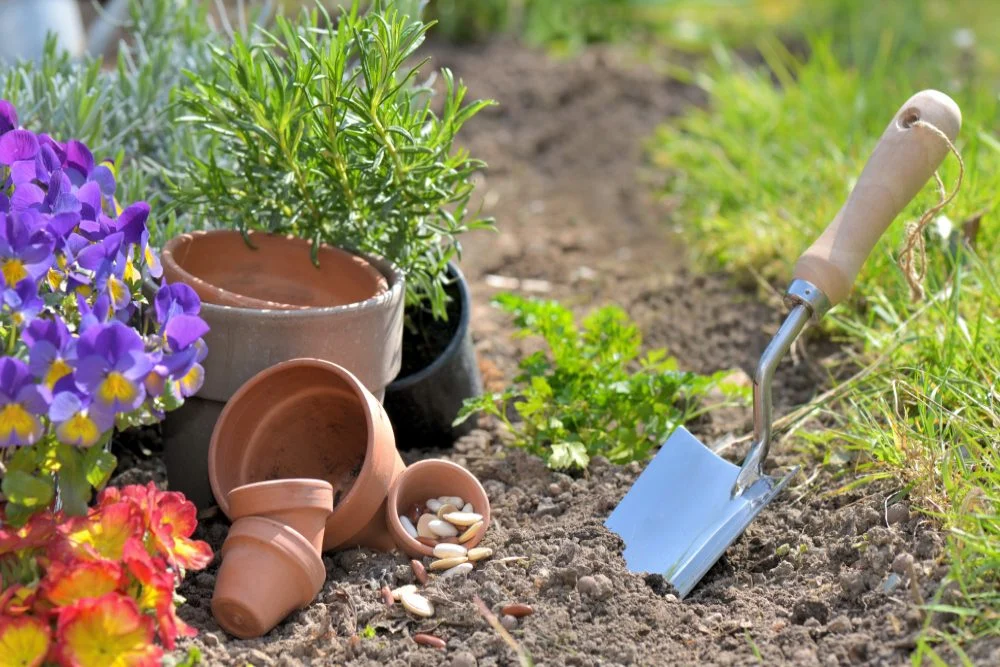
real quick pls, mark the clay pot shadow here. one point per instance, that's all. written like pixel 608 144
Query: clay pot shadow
pixel 308 418
pixel 428 479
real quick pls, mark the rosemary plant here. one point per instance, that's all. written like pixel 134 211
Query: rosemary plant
pixel 323 131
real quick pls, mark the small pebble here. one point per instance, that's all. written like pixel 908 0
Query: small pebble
pixel 479 553
pixel 517 610
pixel 902 563
pixel 424 526
pixel 587 586
pixel 419 572
pixel 441 528
pixel 417 604
pixel 463 518
pixel 470 533
pixel 459 570
pixel 429 640
pixel 387 597
pixel 508 622
pixel 448 563
pixel 468 508
pixel 434 504
pixel 554 489
pixel 408 526
pixel 897 513
pixel 399 592
pixel 446 550
pixel 840 625
pixel 447 508
pixel 463 659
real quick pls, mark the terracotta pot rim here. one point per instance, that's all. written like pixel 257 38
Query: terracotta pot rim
pixel 393 276
pixel 345 377
pixel 271 534
pixel 464 318
pixel 278 495
pixel 392 517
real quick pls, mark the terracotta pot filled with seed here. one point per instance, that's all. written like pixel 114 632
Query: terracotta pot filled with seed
pixel 436 502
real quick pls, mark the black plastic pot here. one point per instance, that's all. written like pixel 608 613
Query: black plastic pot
pixel 423 404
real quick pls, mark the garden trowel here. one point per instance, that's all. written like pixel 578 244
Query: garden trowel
pixel 689 504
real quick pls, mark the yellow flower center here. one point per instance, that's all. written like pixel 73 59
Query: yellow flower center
pixel 15 419
pixel 117 291
pixel 132 274
pixel 79 429
pixel 57 371
pixel 116 387
pixel 14 271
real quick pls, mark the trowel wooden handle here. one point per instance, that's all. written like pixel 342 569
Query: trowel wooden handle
pixel 904 159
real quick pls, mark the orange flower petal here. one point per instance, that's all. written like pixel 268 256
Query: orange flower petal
pixel 105 530
pixel 108 631
pixel 65 584
pixel 24 641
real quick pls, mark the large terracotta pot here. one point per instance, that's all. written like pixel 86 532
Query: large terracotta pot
pixel 314 419
pixel 364 336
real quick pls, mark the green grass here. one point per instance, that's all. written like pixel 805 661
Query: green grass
pixel 760 171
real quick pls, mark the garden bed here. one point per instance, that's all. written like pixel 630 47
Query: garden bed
pixel 817 579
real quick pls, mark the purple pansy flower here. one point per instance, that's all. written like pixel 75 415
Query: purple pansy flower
pixel 52 350
pixel 8 117
pixel 18 145
pixel 175 299
pixel 21 404
pixel 22 302
pixel 79 420
pixel 24 252
pixel 112 366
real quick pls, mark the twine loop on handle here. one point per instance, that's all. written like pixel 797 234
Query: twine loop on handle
pixel 913 256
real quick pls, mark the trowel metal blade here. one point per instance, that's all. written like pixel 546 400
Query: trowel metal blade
pixel 680 517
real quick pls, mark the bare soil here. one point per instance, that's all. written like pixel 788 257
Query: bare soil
pixel 818 579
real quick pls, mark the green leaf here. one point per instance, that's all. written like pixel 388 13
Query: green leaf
pixel 74 489
pixel 569 455
pixel 98 464
pixel 27 490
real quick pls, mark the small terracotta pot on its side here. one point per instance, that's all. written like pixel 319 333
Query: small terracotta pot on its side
pixel 271 272
pixel 428 479
pixel 268 571
pixel 301 504
pixel 314 419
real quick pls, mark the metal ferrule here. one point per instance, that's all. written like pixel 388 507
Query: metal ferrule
pixel 807 302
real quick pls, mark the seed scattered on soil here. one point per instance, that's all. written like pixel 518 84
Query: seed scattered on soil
pixel 419 572
pixel 470 533
pixel 442 528
pixel 459 570
pixel 463 518
pixel 417 604
pixel 509 623
pixel 424 526
pixel 434 504
pixel 517 610
pixel 408 526
pixel 445 509
pixel 445 550
pixel 387 597
pixel 429 640
pixel 448 563
pixel 479 553
pixel 402 590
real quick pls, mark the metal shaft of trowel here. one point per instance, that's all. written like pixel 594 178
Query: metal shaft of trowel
pixel 808 302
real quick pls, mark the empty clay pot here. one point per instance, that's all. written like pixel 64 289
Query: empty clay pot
pixel 301 504
pixel 275 272
pixel 310 418
pixel 268 571
pixel 427 479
